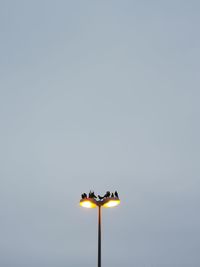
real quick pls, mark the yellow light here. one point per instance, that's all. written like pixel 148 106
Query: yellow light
pixel 111 203
pixel 86 203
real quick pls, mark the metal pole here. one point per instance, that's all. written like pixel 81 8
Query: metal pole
pixel 99 236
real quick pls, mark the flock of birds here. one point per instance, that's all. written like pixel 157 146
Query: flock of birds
pixel 107 194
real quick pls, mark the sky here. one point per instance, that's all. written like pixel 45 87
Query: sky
pixel 99 95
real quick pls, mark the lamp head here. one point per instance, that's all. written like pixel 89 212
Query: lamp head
pixel 88 203
pixel 111 202
pixel 107 201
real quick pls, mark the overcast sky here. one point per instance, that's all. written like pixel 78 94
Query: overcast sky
pixel 100 95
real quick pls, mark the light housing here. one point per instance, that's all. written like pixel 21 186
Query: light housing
pixel 111 202
pixel 88 203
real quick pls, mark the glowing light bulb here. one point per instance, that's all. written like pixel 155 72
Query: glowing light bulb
pixel 87 204
pixel 111 203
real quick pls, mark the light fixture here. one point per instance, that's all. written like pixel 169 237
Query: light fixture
pixel 111 202
pixel 88 203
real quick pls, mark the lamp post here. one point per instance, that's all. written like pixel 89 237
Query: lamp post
pixel 106 202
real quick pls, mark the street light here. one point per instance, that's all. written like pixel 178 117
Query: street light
pixel 106 202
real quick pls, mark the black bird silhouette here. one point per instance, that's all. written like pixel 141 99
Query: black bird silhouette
pixel 112 195
pixel 116 194
pixel 90 194
pixel 107 194
pixel 93 195
pixel 101 198
pixel 84 195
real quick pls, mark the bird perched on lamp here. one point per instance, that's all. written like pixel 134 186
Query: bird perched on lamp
pixel 116 194
pixel 107 194
pixel 92 194
pixel 100 198
pixel 84 195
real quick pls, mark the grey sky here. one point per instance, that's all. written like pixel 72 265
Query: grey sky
pixel 99 95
